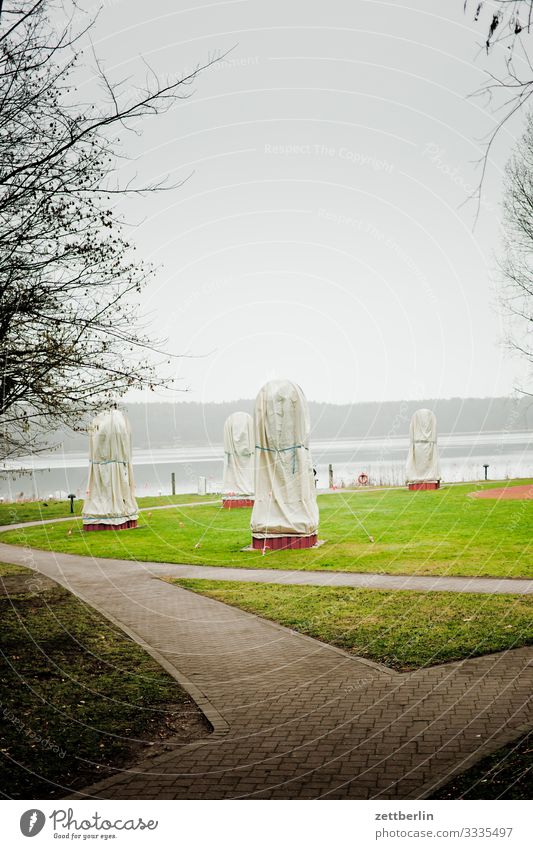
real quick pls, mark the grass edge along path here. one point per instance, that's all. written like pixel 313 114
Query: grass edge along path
pixel 13 569
pixel 14 512
pixel 78 697
pixel 445 532
pixel 405 630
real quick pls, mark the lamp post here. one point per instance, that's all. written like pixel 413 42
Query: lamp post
pixel 71 499
pixel 486 467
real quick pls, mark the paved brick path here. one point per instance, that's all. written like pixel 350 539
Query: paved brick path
pixel 294 718
pixel 437 583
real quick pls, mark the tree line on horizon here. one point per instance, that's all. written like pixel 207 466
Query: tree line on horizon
pixel 167 425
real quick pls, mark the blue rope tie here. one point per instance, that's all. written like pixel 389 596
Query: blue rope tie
pixel 280 450
pixel 106 462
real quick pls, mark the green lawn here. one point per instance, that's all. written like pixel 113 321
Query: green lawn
pixel 11 569
pixel 32 511
pixel 444 532
pixel 404 630
pixel 76 694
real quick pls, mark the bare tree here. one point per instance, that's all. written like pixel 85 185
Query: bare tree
pixel 507 25
pixel 503 20
pixel 70 337
pixel 509 86
pixel 517 265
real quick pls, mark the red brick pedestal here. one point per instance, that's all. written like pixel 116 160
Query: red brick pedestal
pixel 100 526
pixel 425 485
pixel 281 543
pixel 231 503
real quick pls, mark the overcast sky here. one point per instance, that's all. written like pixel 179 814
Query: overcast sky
pixel 320 235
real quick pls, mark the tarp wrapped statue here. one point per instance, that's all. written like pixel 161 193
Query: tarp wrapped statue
pixel 285 513
pixel 239 442
pixel 110 503
pixel 423 467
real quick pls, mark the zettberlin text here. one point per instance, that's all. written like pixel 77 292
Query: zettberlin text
pixel 399 815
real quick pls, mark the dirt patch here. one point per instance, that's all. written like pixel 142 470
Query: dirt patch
pixel 175 726
pixel 506 774
pixel 24 583
pixel 79 699
pixel 507 493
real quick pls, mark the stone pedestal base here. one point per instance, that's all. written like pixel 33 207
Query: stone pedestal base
pixel 100 526
pixel 280 543
pixel 231 503
pixel 424 485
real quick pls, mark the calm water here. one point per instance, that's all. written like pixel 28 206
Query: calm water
pixel 383 460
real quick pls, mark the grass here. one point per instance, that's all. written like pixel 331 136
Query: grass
pixel 76 694
pixel 445 532
pixel 11 569
pixel 404 630
pixel 33 511
pixel 505 774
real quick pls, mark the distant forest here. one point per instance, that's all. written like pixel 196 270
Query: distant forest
pixel 191 423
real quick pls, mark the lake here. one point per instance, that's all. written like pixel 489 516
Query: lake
pixel 509 455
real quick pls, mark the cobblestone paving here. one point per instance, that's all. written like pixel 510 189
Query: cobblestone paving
pixel 292 717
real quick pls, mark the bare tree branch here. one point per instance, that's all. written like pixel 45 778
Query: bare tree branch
pixel 517 264
pixel 71 339
pixel 506 23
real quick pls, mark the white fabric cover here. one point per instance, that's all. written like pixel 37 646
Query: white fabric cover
pixel 239 445
pixel 423 458
pixel 285 495
pixel 111 490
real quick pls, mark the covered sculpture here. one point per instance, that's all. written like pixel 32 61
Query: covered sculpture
pixel 110 502
pixel 423 468
pixel 285 513
pixel 239 442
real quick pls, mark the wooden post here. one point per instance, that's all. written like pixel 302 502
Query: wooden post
pixel 173 483
pixel 330 472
